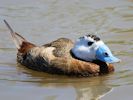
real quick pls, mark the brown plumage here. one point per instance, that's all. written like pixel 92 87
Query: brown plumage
pixel 55 58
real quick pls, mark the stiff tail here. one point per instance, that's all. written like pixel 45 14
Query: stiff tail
pixel 18 39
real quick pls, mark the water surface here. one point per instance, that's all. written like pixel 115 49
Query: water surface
pixel 41 21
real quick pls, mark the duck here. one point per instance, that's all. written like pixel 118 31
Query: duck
pixel 87 56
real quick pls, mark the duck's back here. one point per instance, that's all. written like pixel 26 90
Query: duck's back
pixel 62 47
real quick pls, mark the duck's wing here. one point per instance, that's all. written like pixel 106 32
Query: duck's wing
pixel 62 47
pixel 37 58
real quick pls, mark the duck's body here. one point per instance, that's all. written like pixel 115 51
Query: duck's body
pixel 56 57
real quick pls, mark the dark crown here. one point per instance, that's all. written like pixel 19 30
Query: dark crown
pixel 96 38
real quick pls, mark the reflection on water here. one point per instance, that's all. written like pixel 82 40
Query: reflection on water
pixel 42 21
pixel 28 82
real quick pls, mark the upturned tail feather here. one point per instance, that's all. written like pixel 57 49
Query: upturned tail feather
pixel 18 39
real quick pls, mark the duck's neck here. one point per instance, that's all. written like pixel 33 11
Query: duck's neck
pixel 83 53
pixel 104 67
pixel 74 56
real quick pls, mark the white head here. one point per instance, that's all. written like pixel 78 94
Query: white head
pixel 90 48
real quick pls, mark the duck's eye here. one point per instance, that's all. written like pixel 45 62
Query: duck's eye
pixel 106 54
pixel 90 43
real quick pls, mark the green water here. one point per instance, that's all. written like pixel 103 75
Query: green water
pixel 41 21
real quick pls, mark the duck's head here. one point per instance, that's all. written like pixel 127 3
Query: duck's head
pixel 91 47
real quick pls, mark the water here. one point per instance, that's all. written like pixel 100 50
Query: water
pixel 42 21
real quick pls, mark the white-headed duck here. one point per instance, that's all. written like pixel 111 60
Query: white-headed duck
pixel 88 56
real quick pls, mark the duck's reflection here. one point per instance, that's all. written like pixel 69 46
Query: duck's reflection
pixel 65 88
